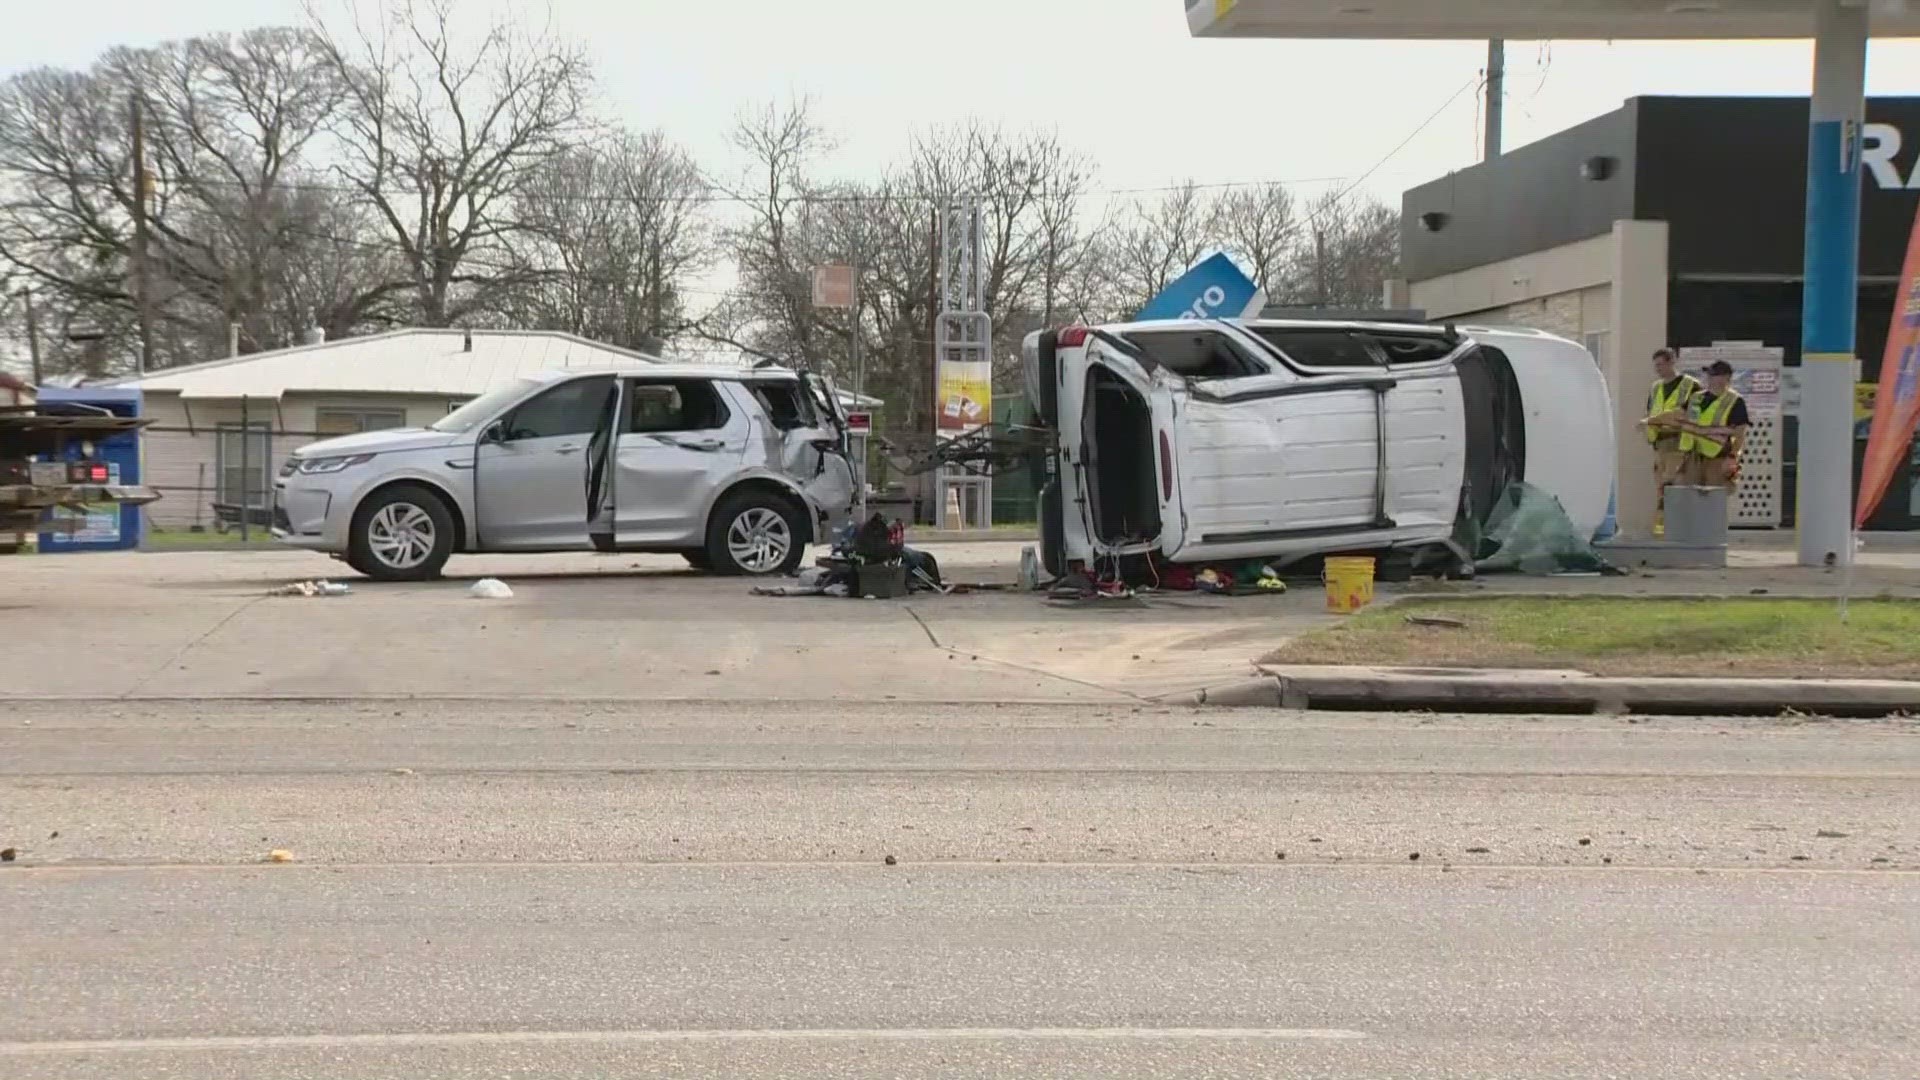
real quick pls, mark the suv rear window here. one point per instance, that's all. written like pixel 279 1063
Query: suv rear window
pixel 788 405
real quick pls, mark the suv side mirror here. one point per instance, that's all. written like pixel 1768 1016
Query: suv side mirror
pixel 495 432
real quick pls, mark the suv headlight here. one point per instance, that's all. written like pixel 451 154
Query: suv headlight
pixel 314 466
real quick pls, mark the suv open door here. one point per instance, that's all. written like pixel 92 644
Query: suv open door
pixel 600 484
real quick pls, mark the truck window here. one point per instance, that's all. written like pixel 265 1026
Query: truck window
pixel 1198 354
pixel 1403 349
pixel 1314 349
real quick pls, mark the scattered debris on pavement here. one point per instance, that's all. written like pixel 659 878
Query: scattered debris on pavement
pixel 490 589
pixel 868 561
pixel 320 587
pixel 280 855
pixel 1445 621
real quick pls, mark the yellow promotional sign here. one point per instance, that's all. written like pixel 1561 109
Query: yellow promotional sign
pixel 966 396
pixel 1863 393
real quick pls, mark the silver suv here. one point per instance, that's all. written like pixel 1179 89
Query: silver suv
pixel 736 470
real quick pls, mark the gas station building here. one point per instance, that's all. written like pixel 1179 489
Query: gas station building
pixel 1641 254
pixel 1670 221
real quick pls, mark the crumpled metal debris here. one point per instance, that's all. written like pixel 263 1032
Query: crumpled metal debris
pixel 321 587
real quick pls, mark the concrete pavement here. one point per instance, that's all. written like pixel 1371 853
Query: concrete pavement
pixel 198 624
pixel 594 889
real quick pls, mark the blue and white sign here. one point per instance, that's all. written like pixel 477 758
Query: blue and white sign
pixel 1214 289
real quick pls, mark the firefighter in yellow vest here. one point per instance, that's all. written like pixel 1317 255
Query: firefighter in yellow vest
pixel 1715 430
pixel 1670 398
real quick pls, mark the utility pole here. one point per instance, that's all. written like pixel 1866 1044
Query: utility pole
pixel 142 281
pixel 1320 260
pixel 654 298
pixel 859 359
pixel 1496 94
pixel 33 337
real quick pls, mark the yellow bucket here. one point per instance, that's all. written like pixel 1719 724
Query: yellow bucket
pixel 1349 580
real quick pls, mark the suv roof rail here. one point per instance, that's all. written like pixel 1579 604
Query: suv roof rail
pixel 1326 314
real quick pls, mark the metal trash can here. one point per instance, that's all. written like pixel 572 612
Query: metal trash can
pixel 1696 516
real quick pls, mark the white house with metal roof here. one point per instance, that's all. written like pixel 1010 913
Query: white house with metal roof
pixel 221 429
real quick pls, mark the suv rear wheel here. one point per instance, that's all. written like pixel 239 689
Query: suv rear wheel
pixel 756 533
pixel 401 533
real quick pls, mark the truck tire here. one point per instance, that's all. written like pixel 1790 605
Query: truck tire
pixel 401 533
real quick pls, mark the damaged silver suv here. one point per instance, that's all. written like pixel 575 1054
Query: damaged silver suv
pixel 737 470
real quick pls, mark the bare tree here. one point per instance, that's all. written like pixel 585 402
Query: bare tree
pixel 778 241
pixel 1349 247
pixel 616 231
pixel 1151 241
pixel 439 137
pixel 228 121
pixel 1257 226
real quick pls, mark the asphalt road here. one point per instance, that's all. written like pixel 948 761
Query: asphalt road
pixel 584 889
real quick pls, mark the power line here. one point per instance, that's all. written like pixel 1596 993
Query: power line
pixel 727 198
pixel 1404 143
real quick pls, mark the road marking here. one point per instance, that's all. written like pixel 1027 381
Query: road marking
pixel 1369 863
pixel 649 1035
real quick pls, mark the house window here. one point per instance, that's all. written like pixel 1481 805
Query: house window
pixel 354 421
pixel 242 464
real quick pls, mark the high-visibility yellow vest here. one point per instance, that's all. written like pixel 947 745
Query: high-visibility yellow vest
pixel 1714 415
pixel 1680 398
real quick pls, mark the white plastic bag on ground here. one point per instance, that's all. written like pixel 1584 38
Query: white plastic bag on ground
pixel 490 589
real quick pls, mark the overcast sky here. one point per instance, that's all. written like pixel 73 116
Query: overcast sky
pixel 1120 78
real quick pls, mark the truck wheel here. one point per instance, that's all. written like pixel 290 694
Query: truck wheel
pixel 401 533
pixel 756 533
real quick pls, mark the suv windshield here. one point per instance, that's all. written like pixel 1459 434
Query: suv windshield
pixel 481 409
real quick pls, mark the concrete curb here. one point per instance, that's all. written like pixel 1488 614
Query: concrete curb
pixel 1561 691
pixel 1263 692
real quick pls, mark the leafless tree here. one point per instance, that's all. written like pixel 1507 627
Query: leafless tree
pixel 1151 240
pixel 227 121
pixel 616 230
pixel 777 238
pixel 440 136
pixel 1257 226
pixel 1347 249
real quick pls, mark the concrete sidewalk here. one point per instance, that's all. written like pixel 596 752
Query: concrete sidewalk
pixel 201 624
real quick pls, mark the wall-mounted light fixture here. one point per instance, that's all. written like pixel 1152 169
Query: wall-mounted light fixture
pixel 1596 168
pixel 1434 220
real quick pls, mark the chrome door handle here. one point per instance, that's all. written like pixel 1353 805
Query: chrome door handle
pixel 691 444
pixel 566 449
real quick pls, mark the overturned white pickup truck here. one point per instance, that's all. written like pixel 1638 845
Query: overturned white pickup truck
pixel 1191 442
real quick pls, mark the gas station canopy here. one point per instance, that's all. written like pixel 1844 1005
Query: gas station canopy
pixel 1530 20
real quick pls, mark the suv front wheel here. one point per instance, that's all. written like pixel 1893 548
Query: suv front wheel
pixel 756 533
pixel 402 533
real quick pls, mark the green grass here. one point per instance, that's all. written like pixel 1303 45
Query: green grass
pixel 1631 636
